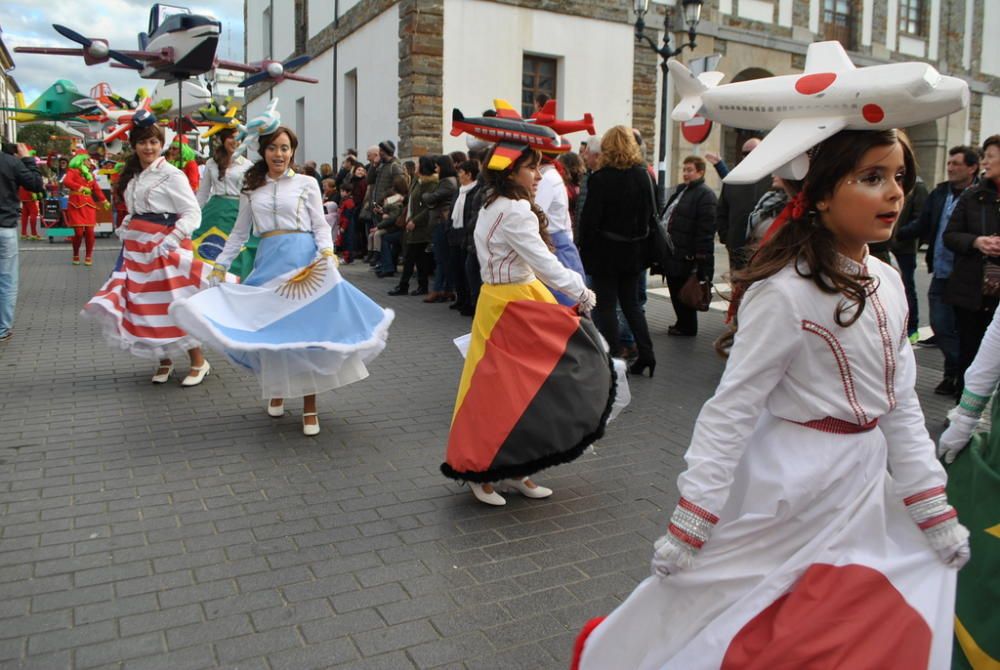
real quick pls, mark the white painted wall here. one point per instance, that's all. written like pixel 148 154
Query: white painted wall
pixel 725 6
pixel 283 33
pixel 892 24
pixel 595 68
pixel 756 10
pixel 912 46
pixel 935 30
pixel 814 16
pixel 967 36
pixel 320 16
pixel 785 13
pixel 989 123
pixel 255 29
pixel 989 61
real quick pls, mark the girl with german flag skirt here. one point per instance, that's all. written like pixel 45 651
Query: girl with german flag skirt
pixel 537 386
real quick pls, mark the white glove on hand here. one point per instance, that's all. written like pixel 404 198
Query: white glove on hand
pixel 956 555
pixel 588 301
pixel 170 243
pixel 957 435
pixel 939 522
pixel 670 556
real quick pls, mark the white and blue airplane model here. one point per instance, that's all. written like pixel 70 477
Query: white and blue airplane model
pixel 802 110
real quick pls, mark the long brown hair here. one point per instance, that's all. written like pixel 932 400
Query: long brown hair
pixel 498 183
pixel 808 244
pixel 221 156
pixel 132 165
pixel 256 176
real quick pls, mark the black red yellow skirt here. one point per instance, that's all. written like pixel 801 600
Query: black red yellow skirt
pixel 536 390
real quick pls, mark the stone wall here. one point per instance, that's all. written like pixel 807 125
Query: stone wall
pixel 421 61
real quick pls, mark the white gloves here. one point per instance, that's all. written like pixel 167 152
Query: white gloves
pixel 939 522
pixel 170 243
pixel 957 435
pixel 670 555
pixel 689 529
pixel 956 555
pixel 588 300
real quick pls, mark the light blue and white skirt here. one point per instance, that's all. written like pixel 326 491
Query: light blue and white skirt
pixel 295 322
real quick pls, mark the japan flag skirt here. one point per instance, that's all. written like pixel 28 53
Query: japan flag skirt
pixel 815 563
pixel 132 305
pixel 295 322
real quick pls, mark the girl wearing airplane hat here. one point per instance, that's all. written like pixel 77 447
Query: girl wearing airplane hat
pixel 813 528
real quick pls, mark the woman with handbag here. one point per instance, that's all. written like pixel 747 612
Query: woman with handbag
pixel 691 223
pixel 615 227
pixel 973 233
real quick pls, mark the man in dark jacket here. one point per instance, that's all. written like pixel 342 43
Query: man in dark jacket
pixel 691 217
pixel 17 169
pixel 735 204
pixel 962 167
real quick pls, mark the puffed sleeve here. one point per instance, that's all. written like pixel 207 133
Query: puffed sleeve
pixel 769 337
pixel 317 219
pixel 184 204
pixel 239 234
pixel 521 232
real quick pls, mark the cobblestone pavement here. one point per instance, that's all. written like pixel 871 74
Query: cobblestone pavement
pixel 161 527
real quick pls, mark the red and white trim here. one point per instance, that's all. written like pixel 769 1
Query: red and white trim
pixel 888 350
pixel 843 365
pixel 691 524
pixel 930 510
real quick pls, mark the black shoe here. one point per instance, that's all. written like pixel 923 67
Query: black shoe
pixel 383 275
pixel 640 366
pixel 677 332
pixel 419 291
pixel 930 342
pixel 946 387
pixel 400 290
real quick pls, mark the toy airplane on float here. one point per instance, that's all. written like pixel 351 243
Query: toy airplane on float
pixel 263 124
pixel 805 109
pixel 179 45
pixel 510 132
pixel 56 103
pixel 546 116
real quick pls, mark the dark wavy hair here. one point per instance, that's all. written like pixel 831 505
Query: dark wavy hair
pixel 809 244
pixel 222 157
pixel 498 183
pixel 132 165
pixel 256 176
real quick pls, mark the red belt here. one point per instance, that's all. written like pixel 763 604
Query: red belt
pixel 838 426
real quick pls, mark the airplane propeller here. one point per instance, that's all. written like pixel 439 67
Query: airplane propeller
pixel 277 71
pixel 96 50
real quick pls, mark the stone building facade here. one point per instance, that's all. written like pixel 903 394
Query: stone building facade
pixel 8 92
pixel 394 69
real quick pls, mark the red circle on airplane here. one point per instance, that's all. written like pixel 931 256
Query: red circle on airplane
pixel 697 129
pixel 811 84
pixel 872 113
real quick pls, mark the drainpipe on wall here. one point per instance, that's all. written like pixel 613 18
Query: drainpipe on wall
pixel 336 82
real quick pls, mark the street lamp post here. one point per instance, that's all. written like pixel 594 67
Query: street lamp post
pixel 692 14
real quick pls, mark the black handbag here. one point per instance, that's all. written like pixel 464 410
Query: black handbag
pixel 662 247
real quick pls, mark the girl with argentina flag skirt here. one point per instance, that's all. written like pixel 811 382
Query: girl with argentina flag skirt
pixel 295 322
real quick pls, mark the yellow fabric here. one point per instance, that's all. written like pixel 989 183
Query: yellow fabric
pixel 977 658
pixel 493 298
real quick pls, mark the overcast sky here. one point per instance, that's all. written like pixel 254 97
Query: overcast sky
pixel 29 23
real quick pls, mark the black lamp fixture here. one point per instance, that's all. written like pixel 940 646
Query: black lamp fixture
pixel 691 10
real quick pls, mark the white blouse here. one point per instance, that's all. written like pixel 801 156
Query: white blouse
pixel 791 359
pixel 292 202
pixel 554 201
pixel 511 251
pixel 229 185
pixel 163 189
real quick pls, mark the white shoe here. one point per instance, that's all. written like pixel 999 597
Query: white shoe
pixel 276 410
pixel 493 498
pixel 197 375
pixel 310 429
pixel 164 377
pixel 525 490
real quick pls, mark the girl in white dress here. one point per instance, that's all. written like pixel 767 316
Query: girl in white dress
pixel 813 529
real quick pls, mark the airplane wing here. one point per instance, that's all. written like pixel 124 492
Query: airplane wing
pixel 505 110
pixel 250 68
pixel 788 141
pixel 827 57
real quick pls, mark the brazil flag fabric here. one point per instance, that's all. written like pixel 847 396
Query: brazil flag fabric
pixel 536 390
pixel 217 219
pixel 974 490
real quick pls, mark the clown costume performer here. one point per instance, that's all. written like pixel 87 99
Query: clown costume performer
pixel 156 265
pixel 295 322
pixel 81 214
pixel 813 528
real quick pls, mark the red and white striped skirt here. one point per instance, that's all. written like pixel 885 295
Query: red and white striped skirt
pixel 132 305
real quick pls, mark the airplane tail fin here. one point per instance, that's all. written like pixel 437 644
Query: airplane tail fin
pixel 456 117
pixel 19 101
pixel 690 88
pixel 589 120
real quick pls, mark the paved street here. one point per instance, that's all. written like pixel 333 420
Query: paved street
pixel 161 527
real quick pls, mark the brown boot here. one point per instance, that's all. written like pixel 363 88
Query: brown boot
pixel 433 296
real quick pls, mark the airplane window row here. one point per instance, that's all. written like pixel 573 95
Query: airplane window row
pixel 782 108
pixel 503 133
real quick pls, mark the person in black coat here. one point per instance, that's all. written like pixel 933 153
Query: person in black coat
pixel 466 207
pixel 736 201
pixel 17 169
pixel 690 214
pixel 614 240
pixel 973 233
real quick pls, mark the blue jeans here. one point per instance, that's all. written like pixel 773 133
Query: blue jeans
pixel 625 335
pixel 442 262
pixel 390 246
pixel 944 326
pixel 8 278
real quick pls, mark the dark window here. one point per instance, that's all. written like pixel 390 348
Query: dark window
pixel 539 76
pixel 838 21
pixel 911 17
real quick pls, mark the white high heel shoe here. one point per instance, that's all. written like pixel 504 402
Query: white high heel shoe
pixel 163 378
pixel 310 429
pixel 493 498
pixel 197 375
pixel 276 411
pixel 525 490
